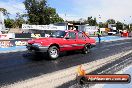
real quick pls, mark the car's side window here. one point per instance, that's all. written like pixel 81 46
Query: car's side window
pixel 72 35
pixel 81 36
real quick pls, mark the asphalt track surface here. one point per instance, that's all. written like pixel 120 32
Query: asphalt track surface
pixel 110 68
pixel 18 66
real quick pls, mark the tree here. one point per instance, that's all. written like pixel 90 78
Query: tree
pixel 105 25
pixel 119 25
pixel 51 16
pixel 91 21
pixel 40 13
pixel 130 28
pixel 4 11
pixel 9 23
pixel 111 21
pixel 19 20
pixel 101 25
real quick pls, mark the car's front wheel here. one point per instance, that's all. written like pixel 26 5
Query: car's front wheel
pixel 53 52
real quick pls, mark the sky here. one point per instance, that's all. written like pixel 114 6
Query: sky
pixel 120 10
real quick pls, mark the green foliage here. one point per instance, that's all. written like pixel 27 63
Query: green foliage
pixel 130 28
pixel 111 21
pixel 4 12
pixel 18 21
pixel 91 21
pixel 119 25
pixel 100 25
pixel 39 12
pixel 9 23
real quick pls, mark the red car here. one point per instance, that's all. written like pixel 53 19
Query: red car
pixel 60 41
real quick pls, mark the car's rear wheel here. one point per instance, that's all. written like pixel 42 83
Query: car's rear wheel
pixel 86 49
pixel 53 52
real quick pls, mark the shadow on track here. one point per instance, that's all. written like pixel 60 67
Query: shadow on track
pixel 44 56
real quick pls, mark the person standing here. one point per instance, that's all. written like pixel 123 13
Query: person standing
pixel 121 32
pixel 99 35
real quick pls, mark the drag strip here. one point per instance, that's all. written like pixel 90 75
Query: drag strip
pixel 114 45
pixel 14 67
pixel 58 78
pixel 110 68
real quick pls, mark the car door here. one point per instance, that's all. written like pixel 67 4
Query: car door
pixel 81 40
pixel 70 41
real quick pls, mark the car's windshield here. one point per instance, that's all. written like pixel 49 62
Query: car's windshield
pixel 58 34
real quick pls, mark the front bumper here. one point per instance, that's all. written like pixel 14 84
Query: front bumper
pixel 37 48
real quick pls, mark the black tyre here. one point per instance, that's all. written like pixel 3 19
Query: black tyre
pixel 86 49
pixel 53 52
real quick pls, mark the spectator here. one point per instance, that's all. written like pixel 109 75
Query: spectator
pixel 121 32
pixel 99 35
pixel 70 28
pixel 22 31
pixel 74 28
